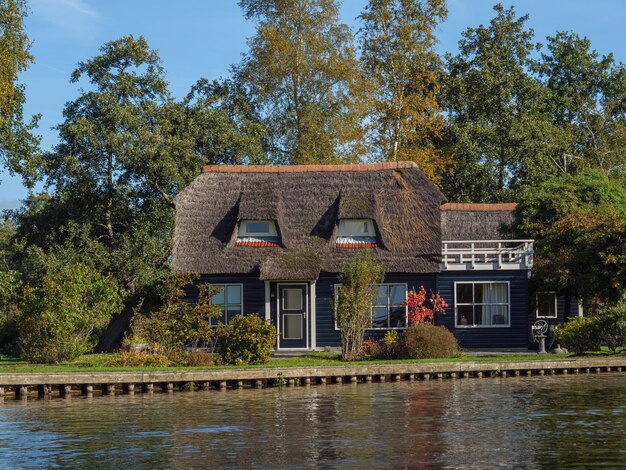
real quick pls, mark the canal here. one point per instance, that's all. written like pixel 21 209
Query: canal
pixel 564 421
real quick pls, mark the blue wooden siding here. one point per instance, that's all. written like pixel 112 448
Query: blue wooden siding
pixel 253 290
pixel 326 333
pixel 515 336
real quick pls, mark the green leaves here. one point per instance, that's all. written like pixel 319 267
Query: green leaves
pixel 62 319
pixel 399 58
pixel 354 297
pixel 303 76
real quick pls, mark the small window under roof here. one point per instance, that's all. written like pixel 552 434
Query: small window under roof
pixel 356 233
pixel 258 233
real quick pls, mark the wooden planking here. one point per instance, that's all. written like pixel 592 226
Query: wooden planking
pixel 253 290
pixel 326 333
pixel 515 336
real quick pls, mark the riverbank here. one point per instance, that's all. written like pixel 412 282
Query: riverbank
pixel 88 382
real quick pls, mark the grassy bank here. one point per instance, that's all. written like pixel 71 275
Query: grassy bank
pixel 96 362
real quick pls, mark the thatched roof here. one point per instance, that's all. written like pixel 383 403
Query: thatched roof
pixel 306 202
pixel 475 221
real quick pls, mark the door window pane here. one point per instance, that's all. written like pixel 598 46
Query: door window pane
pixel 292 299
pixel 292 326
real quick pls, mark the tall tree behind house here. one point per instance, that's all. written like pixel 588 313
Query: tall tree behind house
pixel 398 55
pixel 303 73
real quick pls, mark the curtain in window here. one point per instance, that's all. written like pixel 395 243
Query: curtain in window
pixel 496 296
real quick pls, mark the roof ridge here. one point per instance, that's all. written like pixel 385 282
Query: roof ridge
pixel 222 168
pixel 460 206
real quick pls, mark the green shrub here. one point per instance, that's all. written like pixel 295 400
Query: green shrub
pixel 426 341
pixel 247 339
pixel 63 318
pixel 391 342
pixel 178 323
pixel 606 328
pixel 612 327
pixel 580 334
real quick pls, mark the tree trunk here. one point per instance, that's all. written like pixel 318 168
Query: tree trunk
pixel 118 326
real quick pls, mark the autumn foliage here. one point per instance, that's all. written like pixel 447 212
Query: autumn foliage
pixel 421 313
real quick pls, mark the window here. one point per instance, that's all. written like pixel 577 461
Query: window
pixel 230 300
pixel 482 304
pixel 261 233
pixel 356 233
pixel 388 311
pixel 545 305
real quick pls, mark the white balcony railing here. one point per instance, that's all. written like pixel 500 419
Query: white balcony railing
pixel 467 255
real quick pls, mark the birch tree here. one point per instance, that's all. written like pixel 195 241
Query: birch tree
pixel 303 74
pixel 398 54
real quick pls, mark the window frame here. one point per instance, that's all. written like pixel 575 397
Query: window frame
pixel 345 237
pixel 556 305
pixel 388 306
pixel 456 304
pixel 243 231
pixel 225 285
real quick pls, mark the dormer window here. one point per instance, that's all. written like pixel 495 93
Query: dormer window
pixel 356 233
pixel 258 233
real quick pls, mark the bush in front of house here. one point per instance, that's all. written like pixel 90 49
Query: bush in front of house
pixel 64 317
pixel 612 327
pixel 178 323
pixel 387 348
pixel 605 328
pixel 426 341
pixel 247 339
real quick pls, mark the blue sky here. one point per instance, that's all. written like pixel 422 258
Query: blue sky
pixel 202 38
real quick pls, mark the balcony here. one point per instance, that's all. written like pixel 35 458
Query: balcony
pixel 486 255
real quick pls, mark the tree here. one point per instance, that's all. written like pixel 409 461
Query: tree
pixel 61 319
pixel 353 303
pixel 398 54
pixel 125 150
pixel 497 129
pixel 579 226
pixel 225 124
pixel 303 75
pixel 587 103
pixel 17 142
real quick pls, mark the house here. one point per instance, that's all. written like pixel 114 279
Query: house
pixel 274 239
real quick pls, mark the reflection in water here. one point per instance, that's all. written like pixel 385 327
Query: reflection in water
pixel 536 422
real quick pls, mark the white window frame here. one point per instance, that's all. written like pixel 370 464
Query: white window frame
pixel 508 304
pixel 388 284
pixel 245 233
pixel 226 304
pixel 556 305
pixel 341 228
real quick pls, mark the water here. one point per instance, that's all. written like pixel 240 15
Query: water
pixel 549 422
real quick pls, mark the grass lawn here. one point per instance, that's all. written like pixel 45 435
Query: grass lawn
pixel 95 362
